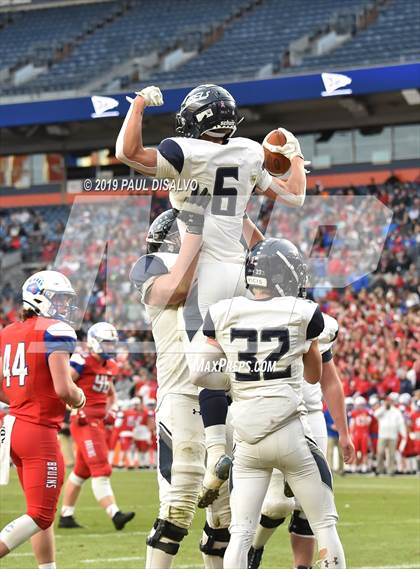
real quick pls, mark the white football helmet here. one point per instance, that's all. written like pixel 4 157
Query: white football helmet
pixel 405 399
pixel 394 397
pixel 373 400
pixel 49 294
pixel 360 401
pixel 135 401
pixel 102 338
pixel 349 401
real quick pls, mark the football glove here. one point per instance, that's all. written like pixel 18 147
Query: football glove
pixel 152 96
pixel 111 416
pixel 82 419
pixel 192 212
pixel 292 147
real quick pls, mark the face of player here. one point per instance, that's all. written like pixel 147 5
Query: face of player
pixel 63 305
pixel 109 349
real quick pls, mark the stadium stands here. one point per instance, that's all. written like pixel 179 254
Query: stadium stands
pixel 396 31
pixel 80 44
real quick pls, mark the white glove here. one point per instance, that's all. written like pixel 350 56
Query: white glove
pixel 402 445
pixel 290 149
pixel 152 96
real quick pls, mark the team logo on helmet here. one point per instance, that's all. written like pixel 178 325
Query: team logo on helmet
pixel 34 287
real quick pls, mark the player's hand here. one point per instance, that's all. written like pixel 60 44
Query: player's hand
pixel 402 445
pixel 152 96
pixel 192 212
pixel 292 147
pixel 110 417
pixel 82 419
pixel 347 449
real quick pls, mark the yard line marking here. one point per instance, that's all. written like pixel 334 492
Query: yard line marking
pixel 20 554
pixel 112 559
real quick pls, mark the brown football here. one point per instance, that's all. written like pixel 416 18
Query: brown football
pixel 275 162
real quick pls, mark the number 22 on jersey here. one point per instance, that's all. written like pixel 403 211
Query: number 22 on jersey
pixel 19 367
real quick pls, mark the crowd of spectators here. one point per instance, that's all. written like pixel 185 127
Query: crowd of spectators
pixel 378 344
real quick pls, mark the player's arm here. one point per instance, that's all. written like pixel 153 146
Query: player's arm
pixel 312 362
pixel 3 396
pixel 292 191
pixel 129 147
pixel 173 287
pixel 251 233
pixel 332 390
pixel 60 342
pixel 64 386
pixel 157 286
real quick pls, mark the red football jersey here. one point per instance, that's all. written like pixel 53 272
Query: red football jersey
pixel 361 420
pixel 95 378
pixel 415 423
pixel 129 420
pixel 27 382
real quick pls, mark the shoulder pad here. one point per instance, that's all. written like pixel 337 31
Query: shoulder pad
pixel 172 151
pixel 146 267
pixel 59 337
pixel 60 328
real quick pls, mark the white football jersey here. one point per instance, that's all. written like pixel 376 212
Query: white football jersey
pixel 229 172
pixel 167 328
pixel 312 393
pixel 264 341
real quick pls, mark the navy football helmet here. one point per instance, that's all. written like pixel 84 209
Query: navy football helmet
pixel 163 234
pixel 277 265
pixel 207 109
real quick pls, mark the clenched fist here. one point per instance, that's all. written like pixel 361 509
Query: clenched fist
pixel 152 96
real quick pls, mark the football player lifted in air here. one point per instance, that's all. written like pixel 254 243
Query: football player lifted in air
pixel 204 160
pixel 35 382
pixel 269 344
pixel 94 373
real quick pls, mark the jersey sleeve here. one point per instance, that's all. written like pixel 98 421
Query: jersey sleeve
pixel 315 322
pixel 144 272
pixel 59 337
pixel 209 328
pixel 214 321
pixel 78 362
pixel 170 159
pixel 327 337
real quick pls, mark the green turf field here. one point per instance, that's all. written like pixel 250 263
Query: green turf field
pixel 379 526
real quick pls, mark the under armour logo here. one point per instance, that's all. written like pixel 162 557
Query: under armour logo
pixel 2 435
pixel 195 412
pixel 329 563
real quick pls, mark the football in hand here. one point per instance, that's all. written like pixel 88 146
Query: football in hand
pixel 275 162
